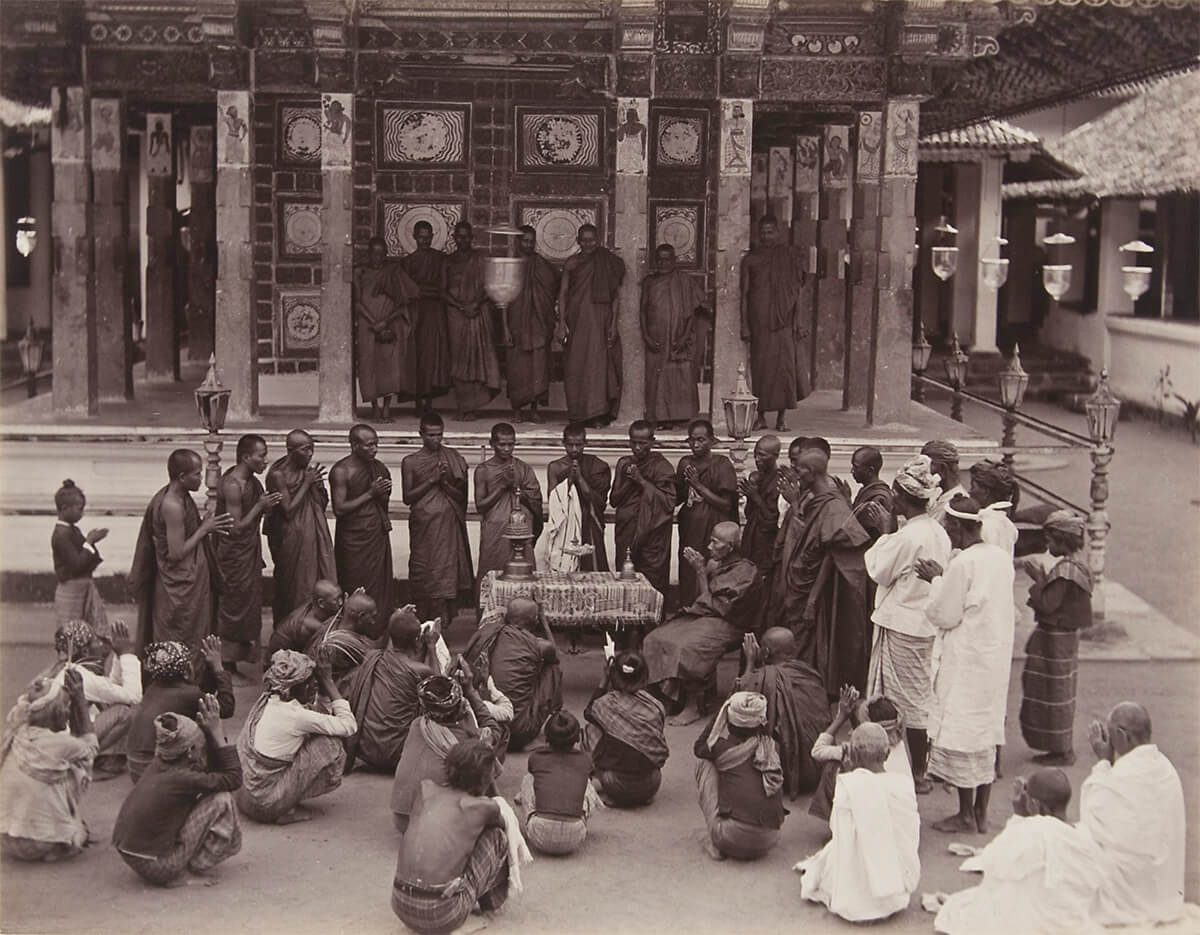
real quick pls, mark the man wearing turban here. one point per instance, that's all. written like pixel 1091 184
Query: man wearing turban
pixel 943 457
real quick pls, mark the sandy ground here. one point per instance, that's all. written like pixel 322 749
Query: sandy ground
pixel 640 871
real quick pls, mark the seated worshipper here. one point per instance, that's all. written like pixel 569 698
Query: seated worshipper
pixel 345 642
pixel 170 685
pixel 456 853
pixel 625 734
pixel 300 628
pixel 517 650
pixel 556 794
pixel 833 756
pixel 796 703
pixel 901 663
pixel 1062 606
pixel 994 488
pixel 1039 874
pixel 870 866
pixel 682 655
pixel 1132 806
pixel 740 780
pixel 112 682
pixel 289 752
pixel 383 691
pixel 75 558
pixel 181 815
pixel 451 710
pixel 44 770
pixel 971 607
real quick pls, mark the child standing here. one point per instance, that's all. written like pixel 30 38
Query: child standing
pixel 75 558
pixel 556 794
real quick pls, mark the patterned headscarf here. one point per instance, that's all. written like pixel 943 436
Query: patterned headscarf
pixel 288 669
pixel 72 638
pixel 916 478
pixel 440 698
pixel 175 735
pixel 939 450
pixel 1065 522
pixel 169 660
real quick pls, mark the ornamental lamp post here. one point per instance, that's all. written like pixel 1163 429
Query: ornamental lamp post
pixel 1056 277
pixel 504 276
pixel 921 350
pixel 993 270
pixel 741 409
pixel 212 401
pixel 1103 409
pixel 1135 279
pixel 27 235
pixel 1013 381
pixel 956 374
pixel 32 350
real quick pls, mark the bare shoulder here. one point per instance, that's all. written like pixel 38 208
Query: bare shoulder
pixel 339 468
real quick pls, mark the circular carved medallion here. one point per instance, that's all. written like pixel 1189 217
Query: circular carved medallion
pixel 303 321
pixel 679 142
pixel 302 135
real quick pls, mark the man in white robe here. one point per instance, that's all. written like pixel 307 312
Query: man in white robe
pixel 943 456
pixel 870 867
pixel 1132 806
pixel 1039 873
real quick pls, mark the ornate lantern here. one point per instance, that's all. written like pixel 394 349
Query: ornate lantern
pixel 741 409
pixel 1013 380
pixel 1135 279
pixel 993 270
pixel 1056 277
pixel 26 235
pixel 944 252
pixel 518 532
pixel 921 349
pixel 956 365
pixel 212 400
pixel 504 276
pixel 32 350
pixel 1103 408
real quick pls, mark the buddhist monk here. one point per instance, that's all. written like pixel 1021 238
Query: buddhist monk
pixel 434 481
pixel 587 302
pixel 761 490
pixel 239 554
pixel 530 321
pixel 775 321
pixel 172 571
pixel 297 530
pixel 431 346
pixel 383 337
pixel 504 484
pixel 706 489
pixel 361 486
pixel 643 494
pixel 589 478
pixel 672 314
pixel 474 369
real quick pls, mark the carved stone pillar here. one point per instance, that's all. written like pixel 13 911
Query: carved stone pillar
pixel 864 260
pixel 114 338
pixel 202 272
pixel 162 337
pixel 832 224
pixel 335 379
pixel 733 237
pixel 630 232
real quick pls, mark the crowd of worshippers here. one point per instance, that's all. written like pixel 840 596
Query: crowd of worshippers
pixel 893 608
pixel 424 326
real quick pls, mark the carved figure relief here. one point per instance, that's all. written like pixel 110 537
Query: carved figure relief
pixel 808 163
pixel 870 143
pixel 902 133
pixel 736 136
pixel 234 132
pixel 632 135
pixel 835 168
pixel 679 138
pixel 158 145
pixel 66 128
pixel 106 134
pixel 336 130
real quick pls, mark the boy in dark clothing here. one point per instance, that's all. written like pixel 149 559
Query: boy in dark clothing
pixel 556 794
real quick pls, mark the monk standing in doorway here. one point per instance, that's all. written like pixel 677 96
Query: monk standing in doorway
pixel 431 348
pixel 531 321
pixel 673 331
pixel 474 369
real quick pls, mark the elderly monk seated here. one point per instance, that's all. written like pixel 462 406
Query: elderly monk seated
pixel 796 704
pixel 455 855
pixel 518 652
pixel 112 683
pixel 181 815
pixel 740 780
pixel 625 734
pixel 44 770
pixel 168 673
pixel 383 691
pixel 290 752
pixel 344 643
pixel 302 626
pixel 682 655
pixel 1039 873
pixel 1132 806
pixel 451 710
pixel 870 867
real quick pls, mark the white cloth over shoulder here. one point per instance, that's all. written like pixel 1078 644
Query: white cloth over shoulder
pixel 901 596
pixel 518 850
pixel 870 867
pixel 826 750
pixel 1133 810
pixel 997 529
pixel 1039 878
pixel 563 527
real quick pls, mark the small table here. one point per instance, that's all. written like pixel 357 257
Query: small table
pixel 571 600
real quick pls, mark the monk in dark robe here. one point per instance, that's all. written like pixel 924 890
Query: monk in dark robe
pixel 518 652
pixel 346 639
pixel 587 304
pixel 672 313
pixel 865 465
pixel 297 530
pixel 591 477
pixel 775 321
pixel 431 346
pixel 823 581
pixel 174 560
pixel 361 486
pixel 383 293
pixel 474 368
pixel 706 487
pixel 530 321
pixel 434 481
pixel 682 655
pixel 643 494
pixel 382 692
pixel 790 527
pixel 300 629
pixel 239 553
pixel 761 490
pixel 503 484
pixel 797 708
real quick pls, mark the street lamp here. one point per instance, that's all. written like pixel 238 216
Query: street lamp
pixel 956 375
pixel 1013 381
pixel 504 276
pixel 31 349
pixel 944 252
pixel 1135 279
pixel 212 400
pixel 1056 277
pixel 26 235
pixel 741 409
pixel 1102 408
pixel 993 270
pixel 921 350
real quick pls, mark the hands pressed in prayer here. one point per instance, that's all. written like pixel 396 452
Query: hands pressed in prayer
pixel 221 525
pixel 95 535
pixel 634 474
pixel 842 487
pixel 927 569
pixel 788 487
pixel 692 476
pixel 873 514
pixel 1032 567
pixel 210 646
pixel 693 558
pixel 1099 739
pixel 120 641
pixel 1020 802
pixel 381 487
pixel 750 650
pixel 314 473
pixel 270 501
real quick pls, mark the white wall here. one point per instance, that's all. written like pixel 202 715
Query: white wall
pixel 1139 348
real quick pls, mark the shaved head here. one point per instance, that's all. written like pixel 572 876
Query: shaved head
pixel 869 746
pixel 1133 721
pixel 1051 788
pixel 729 533
pixel 814 459
pixel 361 610
pixel 326 591
pixel 522 611
pixel 404 628
pixel 868 457
pixel 779 644
pixel 298 437
pixel 768 444
pixel 362 433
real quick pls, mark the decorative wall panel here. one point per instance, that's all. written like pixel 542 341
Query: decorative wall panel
pixel 560 141
pixel 298 322
pixel 418 136
pixel 299 134
pixel 557 224
pixel 300 227
pixel 679 138
pixel 680 224
pixel 397 218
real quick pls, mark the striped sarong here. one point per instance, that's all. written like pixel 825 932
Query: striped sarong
pixel 549 835
pixel 432 909
pixel 902 669
pixel 1048 684
pixel 210 835
pixel 79 599
pixel 963 769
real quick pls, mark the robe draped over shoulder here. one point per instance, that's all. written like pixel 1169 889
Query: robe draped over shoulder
pixel 762 523
pixel 696 516
pixel 531 321
pixel 382 692
pixel 598 476
pixel 494 549
pixel 301 545
pixel 592 365
pixel 240 563
pixel 431 347
pixel 439 560
pixel 513 657
pixel 772 280
pixel 797 711
pixel 644 518
pixel 673 333
pixel 361 541
pixel 474 367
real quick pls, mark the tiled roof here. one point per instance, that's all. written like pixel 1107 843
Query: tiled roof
pixel 993 135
